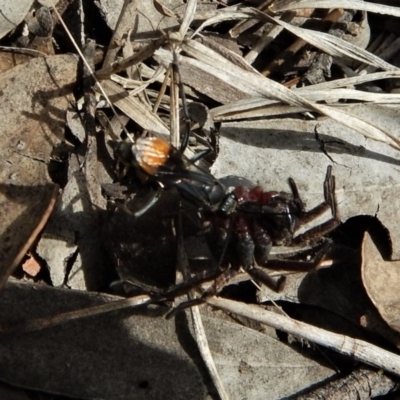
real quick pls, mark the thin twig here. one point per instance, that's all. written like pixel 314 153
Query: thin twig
pixel 357 349
pixel 42 323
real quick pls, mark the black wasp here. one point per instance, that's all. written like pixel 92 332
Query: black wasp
pixel 161 162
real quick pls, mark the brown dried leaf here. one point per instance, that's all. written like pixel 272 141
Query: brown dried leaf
pixel 381 281
pixel 137 353
pixel 9 60
pixel 32 118
pixel 148 16
pixel 31 266
pixel 163 10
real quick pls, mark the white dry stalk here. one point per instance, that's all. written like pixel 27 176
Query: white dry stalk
pixel 267 38
pixel 251 108
pixel 361 5
pixel 257 85
pixel 245 25
pixel 332 45
pixel 257 107
pixel 222 15
pixel 82 22
pixel 202 343
pixel 174 106
pixel 355 80
pixel 138 86
pixel 328 43
pixel 188 17
pixel 135 109
pixel 384 53
pixel 355 348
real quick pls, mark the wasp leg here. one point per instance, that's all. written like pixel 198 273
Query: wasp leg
pixel 150 203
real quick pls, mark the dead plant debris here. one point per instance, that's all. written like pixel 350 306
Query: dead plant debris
pixel 262 92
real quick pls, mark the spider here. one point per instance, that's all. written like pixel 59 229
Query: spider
pixel 264 219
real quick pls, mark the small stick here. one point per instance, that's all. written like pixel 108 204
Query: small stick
pixel 42 323
pixel 358 349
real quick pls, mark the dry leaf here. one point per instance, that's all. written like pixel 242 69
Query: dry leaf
pixel 148 16
pixel 31 266
pixel 32 118
pixel 163 10
pixel 139 353
pixel 381 281
pixel 12 14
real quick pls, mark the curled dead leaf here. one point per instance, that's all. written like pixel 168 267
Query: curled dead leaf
pixel 381 281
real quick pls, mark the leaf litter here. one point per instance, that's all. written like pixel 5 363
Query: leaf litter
pixel 271 129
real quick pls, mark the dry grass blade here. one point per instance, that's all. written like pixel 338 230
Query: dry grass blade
pixel 256 85
pixel 262 108
pixel 285 5
pixel 224 15
pixel 251 83
pixel 174 107
pixel 354 80
pixel 328 43
pixel 242 110
pixel 135 109
pixel 202 343
pixel 138 57
pixel 368 130
pixel 267 39
pixel 358 349
pixel 333 45
pixel 136 85
pixel 331 95
pixel 190 12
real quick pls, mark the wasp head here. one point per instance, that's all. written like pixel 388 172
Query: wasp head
pixel 123 152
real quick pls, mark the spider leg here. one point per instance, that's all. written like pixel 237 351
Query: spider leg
pixel 218 284
pixel 256 241
pixel 263 243
pixel 328 203
pixel 145 207
pixel 296 195
pixel 258 274
pixel 329 192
